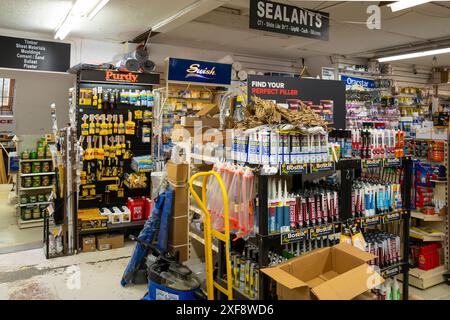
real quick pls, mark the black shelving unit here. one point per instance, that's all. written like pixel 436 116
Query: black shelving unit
pixel 109 79
pixel 350 169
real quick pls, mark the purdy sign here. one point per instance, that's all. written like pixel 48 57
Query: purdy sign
pixel 361 82
pixel 206 72
pixel 29 54
pixel 290 20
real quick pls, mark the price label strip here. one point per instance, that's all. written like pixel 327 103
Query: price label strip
pixel 294 168
pixel 372 163
pixel 394 216
pixel 370 221
pixel 391 272
pixel 322 167
pixel 321 231
pixel 294 236
pixel 392 162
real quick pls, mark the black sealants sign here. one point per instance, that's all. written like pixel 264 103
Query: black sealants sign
pixel 29 54
pixel 290 20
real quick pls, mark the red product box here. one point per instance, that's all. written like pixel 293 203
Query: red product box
pixel 429 256
pixel 136 207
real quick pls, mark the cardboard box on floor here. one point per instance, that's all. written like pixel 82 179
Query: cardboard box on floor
pixel 336 273
pixel 110 241
pixel 88 244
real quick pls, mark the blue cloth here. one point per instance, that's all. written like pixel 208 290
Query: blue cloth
pixel 146 235
pixel 164 227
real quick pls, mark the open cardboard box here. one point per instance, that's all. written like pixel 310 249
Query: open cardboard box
pixel 336 273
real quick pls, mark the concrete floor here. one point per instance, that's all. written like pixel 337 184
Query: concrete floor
pixel 91 276
pixel 11 237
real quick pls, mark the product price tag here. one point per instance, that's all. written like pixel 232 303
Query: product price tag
pixel 294 236
pixel 321 231
pixel 394 216
pixel 392 162
pixel 391 272
pixel 294 168
pixel 372 163
pixel 370 221
pixel 321 167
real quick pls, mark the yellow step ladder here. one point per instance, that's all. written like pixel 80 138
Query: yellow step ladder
pixel 209 232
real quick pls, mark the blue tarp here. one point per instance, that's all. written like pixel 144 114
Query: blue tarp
pixel 161 213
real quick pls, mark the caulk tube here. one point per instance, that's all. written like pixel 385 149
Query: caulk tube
pixel 323 196
pixel 325 147
pixel 372 202
pixel 279 210
pixel 264 150
pixel 295 148
pixel 366 202
pixel 284 138
pixel 336 206
pixel 329 215
pixel 299 209
pixel 245 143
pixel 312 209
pixel 319 213
pixel 312 149
pixel 286 208
pixel 253 148
pixel 304 210
pixel 272 206
pixel 274 147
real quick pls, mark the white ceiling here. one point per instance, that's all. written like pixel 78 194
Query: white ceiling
pixel 119 20
pixel 348 32
pixel 122 20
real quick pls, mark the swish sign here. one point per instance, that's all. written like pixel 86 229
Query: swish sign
pixel 205 72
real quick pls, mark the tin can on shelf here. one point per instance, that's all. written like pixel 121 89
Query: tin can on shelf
pixel 26 168
pixel 41 198
pixel 36 182
pixel 24 199
pixel 33 155
pixel 45 166
pixel 26 182
pixel 32 199
pixel 26 214
pixel 25 155
pixel 48 152
pixel 45 181
pixel 36 212
pixel 41 152
pixel 36 167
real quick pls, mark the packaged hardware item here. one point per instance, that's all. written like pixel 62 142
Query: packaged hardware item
pixel 271 145
pixel 378 143
pixel 313 206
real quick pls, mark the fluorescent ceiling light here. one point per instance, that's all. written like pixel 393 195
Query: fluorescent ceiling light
pixel 179 14
pixel 80 9
pixel 96 10
pixel 415 55
pixel 405 4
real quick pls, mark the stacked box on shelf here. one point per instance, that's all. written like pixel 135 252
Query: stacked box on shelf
pixel 177 174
